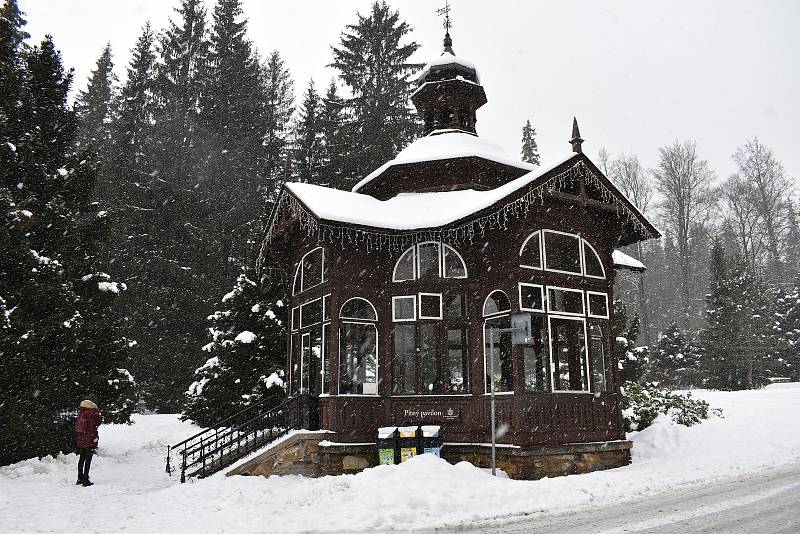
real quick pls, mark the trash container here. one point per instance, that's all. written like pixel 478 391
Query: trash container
pixel 387 445
pixel 432 440
pixel 408 442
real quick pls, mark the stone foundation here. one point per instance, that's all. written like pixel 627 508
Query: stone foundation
pixel 308 454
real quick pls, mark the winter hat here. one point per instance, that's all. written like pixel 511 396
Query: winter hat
pixel 88 404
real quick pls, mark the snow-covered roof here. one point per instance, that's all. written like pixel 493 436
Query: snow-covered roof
pixel 447 144
pixel 448 59
pixel 408 211
pixel 623 261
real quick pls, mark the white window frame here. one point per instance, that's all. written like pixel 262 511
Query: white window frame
pixel 589 305
pixel 413 251
pixel 322 385
pixel 301 272
pixel 296 324
pixel 603 347
pixel 587 378
pixel 394 307
pixel 484 340
pixel 419 300
pixel 541 247
pixel 374 325
pixel 499 312
pixel 325 308
pixel 439 255
pixel 374 311
pixel 570 289
pixel 321 319
pixel 460 258
pixel 585 244
pixel 541 291
pixel 303 348
pixel 544 253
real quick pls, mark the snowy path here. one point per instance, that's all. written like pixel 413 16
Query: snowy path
pixel 766 502
pixel 760 431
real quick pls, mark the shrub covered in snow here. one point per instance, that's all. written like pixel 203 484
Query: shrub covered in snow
pixel 642 403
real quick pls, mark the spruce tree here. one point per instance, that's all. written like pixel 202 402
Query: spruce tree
pixel 786 332
pixel 308 139
pixel 94 105
pixel 61 338
pixel 530 151
pixel 334 142
pixel 373 61
pixel 246 355
pixel 278 109
pixel 633 359
pixel 674 360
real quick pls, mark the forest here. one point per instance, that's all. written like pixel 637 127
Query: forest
pixel 132 212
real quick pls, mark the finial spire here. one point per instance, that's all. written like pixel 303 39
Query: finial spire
pixel 448 41
pixel 576 140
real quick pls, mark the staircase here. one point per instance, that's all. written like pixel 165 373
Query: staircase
pixel 233 438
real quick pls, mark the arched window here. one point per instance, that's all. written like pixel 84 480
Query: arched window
pixel 430 259
pixel 496 302
pixel 310 271
pixel 497 342
pixel 592 266
pixel 530 253
pixel 358 348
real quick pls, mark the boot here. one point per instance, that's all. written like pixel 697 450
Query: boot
pixel 80 480
pixel 86 481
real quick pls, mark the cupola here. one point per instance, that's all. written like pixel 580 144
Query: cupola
pixel 448 92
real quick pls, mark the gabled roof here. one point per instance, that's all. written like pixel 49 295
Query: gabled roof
pixel 447 144
pixel 346 215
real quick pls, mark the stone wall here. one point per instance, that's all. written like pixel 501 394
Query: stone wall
pixel 309 455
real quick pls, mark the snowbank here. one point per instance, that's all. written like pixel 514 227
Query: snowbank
pixel 133 494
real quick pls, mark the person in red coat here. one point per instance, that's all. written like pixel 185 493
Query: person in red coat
pixel 89 418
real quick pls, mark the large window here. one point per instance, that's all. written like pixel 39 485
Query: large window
pixel 430 347
pixel 310 271
pixel 535 360
pixel 560 252
pixel 597 353
pixel 358 348
pixel 429 260
pixel 497 344
pixel 568 353
pixel 308 370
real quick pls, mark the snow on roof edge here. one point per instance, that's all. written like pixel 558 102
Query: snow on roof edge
pixel 623 261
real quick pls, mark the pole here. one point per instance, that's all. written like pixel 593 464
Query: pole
pixel 491 390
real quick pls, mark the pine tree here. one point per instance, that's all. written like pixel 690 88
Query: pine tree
pixel 786 332
pixel 308 138
pixel 634 360
pixel 373 61
pixel 674 360
pixel 60 331
pixel 246 362
pixel 334 143
pixel 94 105
pixel 277 112
pixel 530 151
pixel 738 346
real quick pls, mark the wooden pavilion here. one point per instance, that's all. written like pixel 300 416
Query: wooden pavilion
pixel 394 287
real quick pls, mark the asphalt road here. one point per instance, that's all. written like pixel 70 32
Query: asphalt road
pixel 755 504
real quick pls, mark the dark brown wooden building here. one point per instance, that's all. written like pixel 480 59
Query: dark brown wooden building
pixel 394 287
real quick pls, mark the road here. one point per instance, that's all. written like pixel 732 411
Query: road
pixel 755 504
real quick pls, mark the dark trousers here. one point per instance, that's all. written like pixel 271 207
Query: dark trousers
pixel 84 461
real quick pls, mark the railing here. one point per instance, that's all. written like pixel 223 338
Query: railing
pixel 231 439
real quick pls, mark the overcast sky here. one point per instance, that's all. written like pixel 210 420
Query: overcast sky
pixel 636 74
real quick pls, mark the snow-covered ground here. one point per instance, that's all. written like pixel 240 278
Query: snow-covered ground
pixel 133 494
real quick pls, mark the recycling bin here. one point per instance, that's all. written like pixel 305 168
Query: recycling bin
pixel 432 440
pixel 409 442
pixel 387 445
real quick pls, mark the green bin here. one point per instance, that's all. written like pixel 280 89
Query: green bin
pixel 387 445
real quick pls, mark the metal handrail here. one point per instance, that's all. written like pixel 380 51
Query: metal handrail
pixel 217 447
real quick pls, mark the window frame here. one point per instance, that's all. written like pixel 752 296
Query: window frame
pixel 553 370
pixel 295 324
pixel 419 303
pixel 584 244
pixel 541 291
pixel 589 313
pixel 299 271
pixel 564 313
pixel 414 251
pixel 545 231
pixel 373 324
pixel 541 247
pixel 485 343
pixel 499 312
pixel 322 311
pixel 374 311
pixel 444 245
pixel 414 307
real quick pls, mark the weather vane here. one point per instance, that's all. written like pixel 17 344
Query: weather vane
pixel 446 12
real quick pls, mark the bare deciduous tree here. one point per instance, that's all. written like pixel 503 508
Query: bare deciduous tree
pixel 684 182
